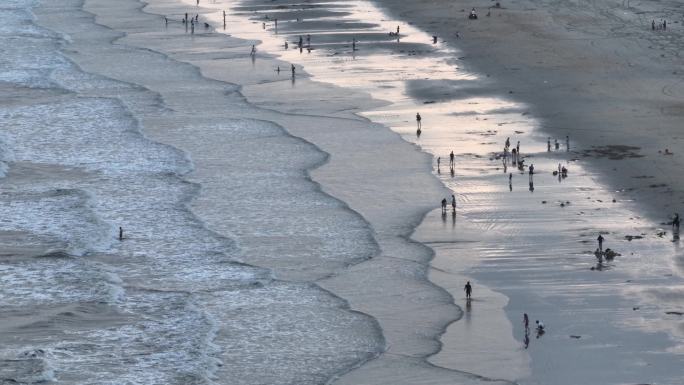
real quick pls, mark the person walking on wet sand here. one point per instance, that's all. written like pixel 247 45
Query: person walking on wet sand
pixel 439 160
pixel 120 233
pixel 526 322
pixel 253 51
pixel 293 71
pixel 675 222
pixel 419 120
pixel 468 290
pixel 453 203
pixel 451 159
pixel 444 205
pixel 600 242
pixel 531 171
pixel 548 144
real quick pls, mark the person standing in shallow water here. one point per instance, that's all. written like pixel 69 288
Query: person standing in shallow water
pixel 419 120
pixel 600 242
pixel 120 233
pixel 526 322
pixel 451 159
pixel 468 290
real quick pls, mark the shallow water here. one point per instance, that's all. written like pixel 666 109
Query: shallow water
pixel 173 302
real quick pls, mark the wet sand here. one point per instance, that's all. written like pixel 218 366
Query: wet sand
pixel 468 112
pixel 592 70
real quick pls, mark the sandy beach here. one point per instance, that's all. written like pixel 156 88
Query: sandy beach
pixel 284 228
pixel 593 70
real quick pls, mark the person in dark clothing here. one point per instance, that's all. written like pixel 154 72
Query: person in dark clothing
pixel 468 290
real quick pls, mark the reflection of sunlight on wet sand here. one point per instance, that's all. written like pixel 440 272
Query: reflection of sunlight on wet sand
pixel 545 232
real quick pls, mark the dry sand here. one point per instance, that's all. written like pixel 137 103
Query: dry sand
pixel 592 70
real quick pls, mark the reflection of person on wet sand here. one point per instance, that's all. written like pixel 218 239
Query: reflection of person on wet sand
pixel 468 290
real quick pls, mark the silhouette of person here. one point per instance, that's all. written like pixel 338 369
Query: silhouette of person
pixel 468 289
pixel 675 221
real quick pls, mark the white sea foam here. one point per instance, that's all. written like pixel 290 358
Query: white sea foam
pixel 166 304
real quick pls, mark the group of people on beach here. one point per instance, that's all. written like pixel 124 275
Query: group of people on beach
pixel 661 25
pixel 453 205
pixel 452 164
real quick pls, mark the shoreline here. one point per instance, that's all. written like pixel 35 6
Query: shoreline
pixel 193 201
pixel 534 150
pixel 393 244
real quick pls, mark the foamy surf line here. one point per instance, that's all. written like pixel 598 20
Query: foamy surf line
pixel 477 170
pixel 401 265
pixel 174 300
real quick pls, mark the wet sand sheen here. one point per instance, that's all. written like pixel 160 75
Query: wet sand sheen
pixel 510 215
